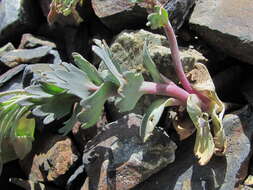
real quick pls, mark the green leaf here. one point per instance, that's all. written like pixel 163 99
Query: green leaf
pixel 88 68
pixel 150 65
pixel 129 92
pixel 153 115
pixel 103 52
pixel 158 19
pixel 72 79
pixel 69 124
pixel 204 145
pixel 54 108
pixel 135 1
pixel 93 106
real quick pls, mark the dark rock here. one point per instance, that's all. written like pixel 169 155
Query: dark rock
pixel 30 185
pixel 14 84
pixel 120 14
pixel 227 25
pixel 178 11
pixel 29 41
pixel 82 136
pixel 17 17
pixel 51 159
pixel 11 170
pixel 223 173
pixel 15 57
pixel 10 74
pixel 117 159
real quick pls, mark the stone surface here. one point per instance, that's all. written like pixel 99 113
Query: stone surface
pixel 178 11
pixel 10 74
pixel 51 159
pixel 16 17
pixel 15 57
pixel 29 41
pixel 128 48
pixel 121 14
pixel 223 173
pixel 227 25
pixel 117 159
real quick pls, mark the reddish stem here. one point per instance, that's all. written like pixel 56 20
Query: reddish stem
pixel 176 57
pixel 166 90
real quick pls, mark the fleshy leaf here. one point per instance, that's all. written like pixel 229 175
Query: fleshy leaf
pixel 88 68
pixel 158 19
pixel 204 145
pixel 129 92
pixel 72 79
pixel 93 106
pixel 69 124
pixel 152 116
pixel 103 52
pixel 150 65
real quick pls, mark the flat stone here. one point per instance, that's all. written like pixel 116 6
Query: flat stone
pixel 117 159
pixel 18 56
pixel 10 74
pixel 50 160
pixel 17 16
pixel 29 41
pixel 227 25
pixel 223 173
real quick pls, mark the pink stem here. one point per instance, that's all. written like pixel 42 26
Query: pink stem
pixel 176 57
pixel 166 90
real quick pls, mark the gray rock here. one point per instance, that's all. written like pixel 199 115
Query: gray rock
pixel 117 159
pixel 223 173
pixel 178 11
pixel 17 16
pixel 227 25
pixel 120 14
pixel 18 56
pixel 10 74
pixel 6 48
pixel 29 41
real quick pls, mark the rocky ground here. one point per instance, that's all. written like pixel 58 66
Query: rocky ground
pixel 218 34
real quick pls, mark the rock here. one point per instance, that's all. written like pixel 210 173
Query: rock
pixel 17 17
pixel 51 159
pixel 223 173
pixel 121 14
pixel 15 83
pixel 28 41
pixel 15 57
pixel 178 11
pixel 82 136
pixel 117 159
pixel 6 48
pixel 227 25
pixel 128 48
pixel 30 185
pixel 11 73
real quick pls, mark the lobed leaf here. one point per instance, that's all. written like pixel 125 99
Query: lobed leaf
pixel 159 18
pixel 103 52
pixel 150 65
pixel 88 68
pixel 93 106
pixel 129 92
